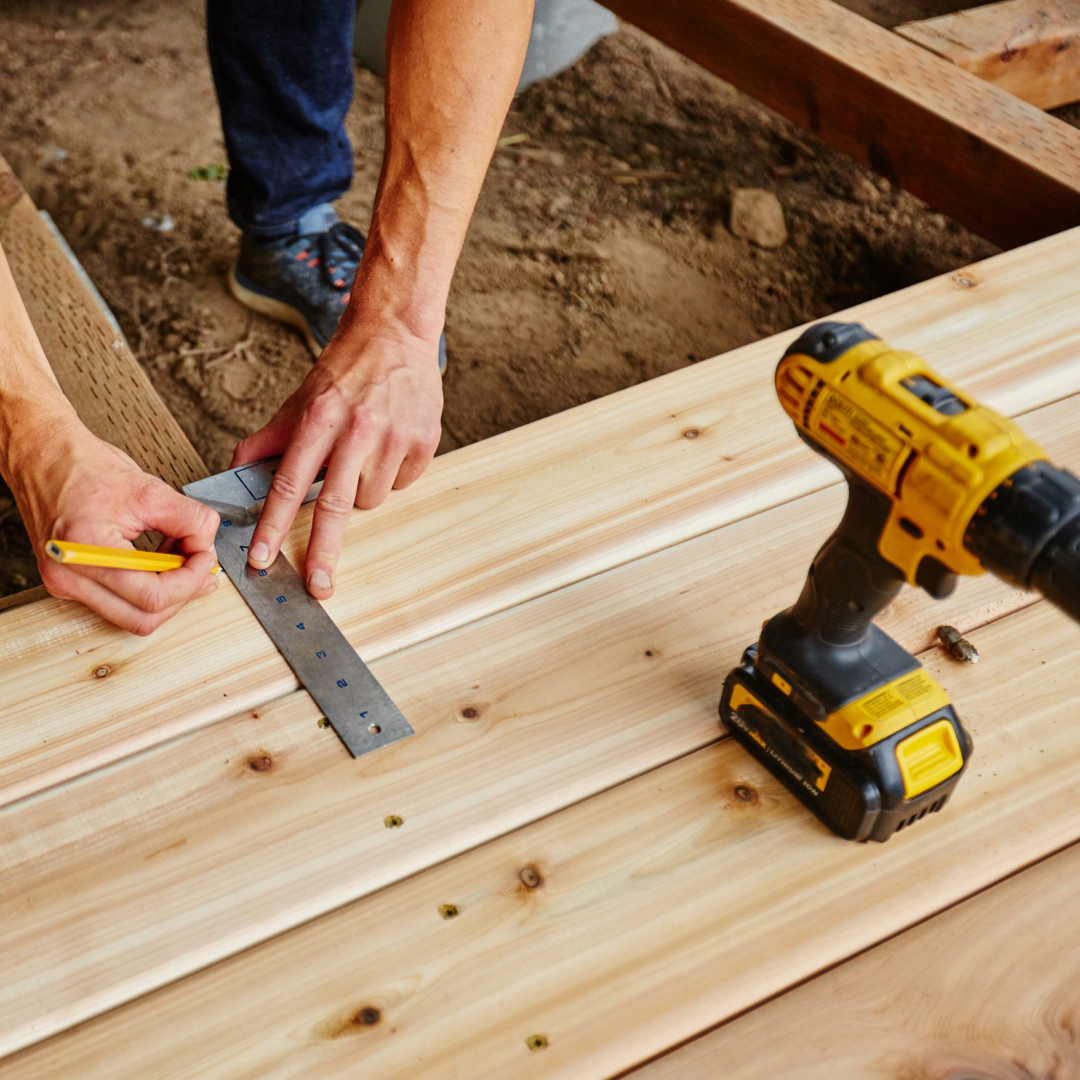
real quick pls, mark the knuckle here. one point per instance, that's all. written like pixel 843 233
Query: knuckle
pixel 286 486
pixel 333 504
pixel 52 577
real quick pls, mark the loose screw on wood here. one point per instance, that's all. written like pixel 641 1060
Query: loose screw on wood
pixel 957 645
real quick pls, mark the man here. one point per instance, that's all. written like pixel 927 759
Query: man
pixel 370 407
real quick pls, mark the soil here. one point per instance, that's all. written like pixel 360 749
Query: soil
pixel 599 255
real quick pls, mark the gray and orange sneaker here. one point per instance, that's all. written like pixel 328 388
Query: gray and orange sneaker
pixel 304 279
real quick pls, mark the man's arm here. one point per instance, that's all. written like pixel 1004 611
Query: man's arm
pixel 70 485
pixel 370 407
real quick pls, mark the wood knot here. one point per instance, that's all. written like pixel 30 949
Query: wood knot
pixel 691 433
pixel 470 712
pixel 101 672
pixel 745 793
pixel 965 281
pixel 368 1016
pixel 530 877
pixel 260 763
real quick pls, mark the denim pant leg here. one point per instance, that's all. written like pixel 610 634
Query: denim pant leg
pixel 284 77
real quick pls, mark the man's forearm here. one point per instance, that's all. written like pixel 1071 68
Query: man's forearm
pixel 452 68
pixel 31 401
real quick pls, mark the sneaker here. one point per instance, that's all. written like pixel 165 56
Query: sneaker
pixel 304 279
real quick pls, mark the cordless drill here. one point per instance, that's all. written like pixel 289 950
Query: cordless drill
pixel 938 486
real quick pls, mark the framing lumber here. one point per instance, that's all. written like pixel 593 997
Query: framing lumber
pixel 927 1003
pixel 570 497
pixel 1031 48
pixel 990 161
pixel 96 370
pixel 684 903
pixel 182 861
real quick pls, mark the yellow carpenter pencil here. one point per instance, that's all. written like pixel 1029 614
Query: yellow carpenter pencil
pixel 63 551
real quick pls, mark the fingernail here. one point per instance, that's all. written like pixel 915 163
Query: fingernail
pixel 260 552
pixel 319 579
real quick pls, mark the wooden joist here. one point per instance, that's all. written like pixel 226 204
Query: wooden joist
pixel 211 844
pixel 988 988
pixel 533 510
pixel 990 161
pixel 96 370
pixel 659 909
pixel 1031 48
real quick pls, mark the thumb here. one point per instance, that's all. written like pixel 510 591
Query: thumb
pixel 176 515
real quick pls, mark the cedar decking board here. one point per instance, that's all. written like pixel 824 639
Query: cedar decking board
pixel 666 906
pixel 989 160
pixel 184 860
pixel 1031 48
pixel 496 524
pixel 935 1001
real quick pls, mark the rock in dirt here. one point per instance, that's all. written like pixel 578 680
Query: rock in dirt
pixel 757 216
pixel 864 190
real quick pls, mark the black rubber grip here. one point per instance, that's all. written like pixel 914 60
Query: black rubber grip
pixel 1027 532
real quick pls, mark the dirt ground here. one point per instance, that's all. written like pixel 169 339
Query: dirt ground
pixel 599 255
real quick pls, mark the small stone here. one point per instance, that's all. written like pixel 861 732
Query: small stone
pixel 864 190
pixel 883 185
pixel 937 221
pixel 757 216
pixel 559 204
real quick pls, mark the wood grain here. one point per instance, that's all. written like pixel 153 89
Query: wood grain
pixel 986 989
pixel 666 905
pixel 96 370
pixel 1031 48
pixel 495 524
pixel 118 884
pixel 990 161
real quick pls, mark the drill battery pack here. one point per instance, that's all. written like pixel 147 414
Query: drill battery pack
pixel 864 793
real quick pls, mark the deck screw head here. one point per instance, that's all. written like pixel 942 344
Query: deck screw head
pixel 536 1042
pixel 448 911
pixel 393 822
pixel 368 1016
pixel 530 877
pixel 324 722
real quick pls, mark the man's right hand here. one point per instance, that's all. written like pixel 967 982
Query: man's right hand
pixel 76 487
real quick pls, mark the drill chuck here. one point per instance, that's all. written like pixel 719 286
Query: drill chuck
pixel 1027 532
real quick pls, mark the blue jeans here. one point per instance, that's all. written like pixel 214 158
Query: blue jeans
pixel 284 77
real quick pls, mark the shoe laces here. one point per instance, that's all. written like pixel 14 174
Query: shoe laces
pixel 341 247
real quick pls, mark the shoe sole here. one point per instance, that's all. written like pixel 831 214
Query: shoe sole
pixel 275 309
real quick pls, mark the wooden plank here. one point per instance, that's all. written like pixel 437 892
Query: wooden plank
pixel 666 905
pixel 497 523
pixel 990 161
pixel 988 988
pixel 144 872
pixel 96 370
pixel 1031 48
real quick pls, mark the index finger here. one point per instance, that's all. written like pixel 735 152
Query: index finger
pixel 299 466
